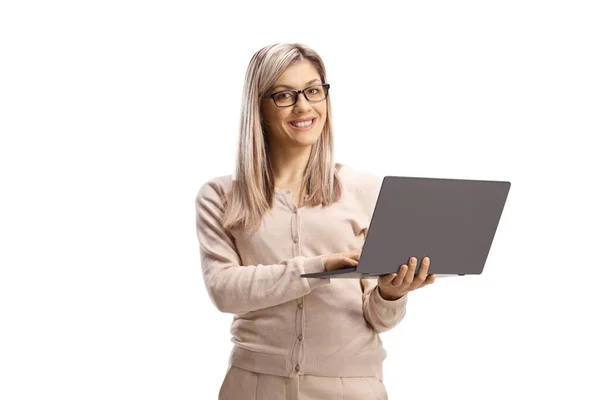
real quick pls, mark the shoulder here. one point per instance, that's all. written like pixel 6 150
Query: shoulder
pixel 361 187
pixel 215 189
pixel 360 182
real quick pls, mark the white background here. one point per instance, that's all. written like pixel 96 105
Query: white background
pixel 114 113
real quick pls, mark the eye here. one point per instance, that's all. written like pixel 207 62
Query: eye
pixel 283 96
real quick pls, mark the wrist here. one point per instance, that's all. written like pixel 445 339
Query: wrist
pixel 387 297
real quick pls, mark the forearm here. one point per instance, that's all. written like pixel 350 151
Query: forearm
pixel 380 313
pixel 239 289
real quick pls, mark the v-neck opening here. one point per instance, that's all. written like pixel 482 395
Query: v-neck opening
pixel 287 193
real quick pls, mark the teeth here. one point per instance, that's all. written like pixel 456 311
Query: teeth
pixel 302 124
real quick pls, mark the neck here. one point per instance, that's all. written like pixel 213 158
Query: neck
pixel 289 164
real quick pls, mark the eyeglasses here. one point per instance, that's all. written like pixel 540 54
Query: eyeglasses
pixel 287 98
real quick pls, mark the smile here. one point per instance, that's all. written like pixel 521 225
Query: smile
pixel 303 125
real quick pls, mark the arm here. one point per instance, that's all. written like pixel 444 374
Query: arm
pixel 381 314
pixel 237 289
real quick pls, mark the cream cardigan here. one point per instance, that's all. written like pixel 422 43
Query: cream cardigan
pixel 284 324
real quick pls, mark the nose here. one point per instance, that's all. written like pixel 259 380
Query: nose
pixel 302 103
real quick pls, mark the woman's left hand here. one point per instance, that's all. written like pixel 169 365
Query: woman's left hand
pixel 394 286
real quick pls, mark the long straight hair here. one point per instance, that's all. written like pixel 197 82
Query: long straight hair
pixel 253 184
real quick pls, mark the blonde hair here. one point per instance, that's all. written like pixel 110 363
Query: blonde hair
pixel 253 184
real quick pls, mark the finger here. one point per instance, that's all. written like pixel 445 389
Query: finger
pixel 387 279
pixel 351 256
pixel 410 274
pixel 351 262
pixel 430 279
pixel 422 275
pixel 400 276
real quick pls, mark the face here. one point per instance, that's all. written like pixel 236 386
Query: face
pixel 280 130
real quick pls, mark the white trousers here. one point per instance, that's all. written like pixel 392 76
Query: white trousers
pixel 240 384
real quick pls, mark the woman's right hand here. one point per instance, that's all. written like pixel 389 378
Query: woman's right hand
pixel 341 260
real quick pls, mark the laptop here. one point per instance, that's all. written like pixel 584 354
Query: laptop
pixel 451 221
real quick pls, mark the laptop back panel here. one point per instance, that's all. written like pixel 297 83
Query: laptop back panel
pixel 451 221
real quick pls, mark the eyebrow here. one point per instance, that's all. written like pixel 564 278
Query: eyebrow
pixel 289 87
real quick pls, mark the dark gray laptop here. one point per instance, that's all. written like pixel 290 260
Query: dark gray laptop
pixel 451 221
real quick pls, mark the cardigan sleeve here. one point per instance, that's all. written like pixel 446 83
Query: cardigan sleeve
pixel 235 288
pixel 380 313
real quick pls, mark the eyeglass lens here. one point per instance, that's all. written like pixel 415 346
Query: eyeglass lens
pixel 313 93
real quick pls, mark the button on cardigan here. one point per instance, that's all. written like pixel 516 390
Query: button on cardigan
pixel 287 325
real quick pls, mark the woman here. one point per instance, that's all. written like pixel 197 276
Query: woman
pixel 290 210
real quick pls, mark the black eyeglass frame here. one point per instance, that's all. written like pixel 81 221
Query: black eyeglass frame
pixel 297 93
